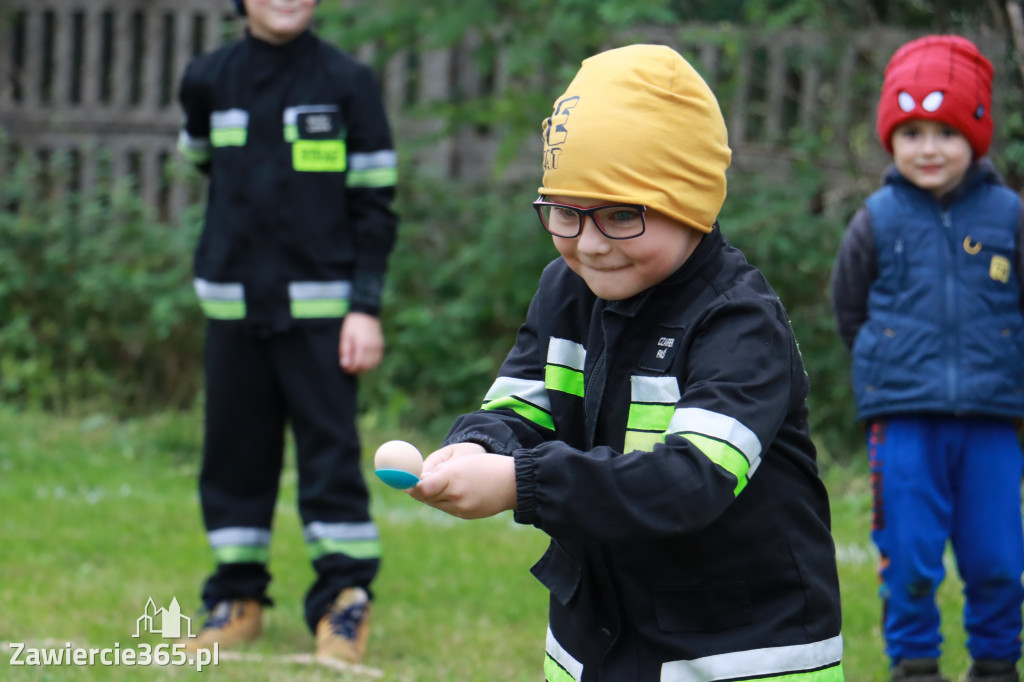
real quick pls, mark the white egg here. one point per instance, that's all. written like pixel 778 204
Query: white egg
pixel 397 454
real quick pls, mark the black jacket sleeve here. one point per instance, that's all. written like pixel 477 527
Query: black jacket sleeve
pixel 369 140
pixel 855 269
pixel 194 139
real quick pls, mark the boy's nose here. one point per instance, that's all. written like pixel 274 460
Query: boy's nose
pixel 591 239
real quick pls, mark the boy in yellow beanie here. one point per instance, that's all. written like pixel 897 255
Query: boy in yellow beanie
pixel 651 417
pixel 927 295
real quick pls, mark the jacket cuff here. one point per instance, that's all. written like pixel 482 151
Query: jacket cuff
pixel 367 291
pixel 526 487
pixel 471 436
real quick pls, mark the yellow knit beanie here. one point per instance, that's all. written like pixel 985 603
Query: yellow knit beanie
pixel 638 125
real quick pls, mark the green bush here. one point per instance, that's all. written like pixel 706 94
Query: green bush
pixel 95 297
pixel 794 244
pixel 460 280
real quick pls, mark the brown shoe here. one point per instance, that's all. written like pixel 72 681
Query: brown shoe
pixel 230 622
pixel 343 631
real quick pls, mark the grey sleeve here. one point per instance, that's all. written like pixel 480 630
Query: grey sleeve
pixel 855 269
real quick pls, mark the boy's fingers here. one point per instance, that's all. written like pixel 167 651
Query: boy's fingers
pixel 437 459
pixel 430 486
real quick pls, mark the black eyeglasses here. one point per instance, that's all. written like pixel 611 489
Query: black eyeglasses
pixel 615 221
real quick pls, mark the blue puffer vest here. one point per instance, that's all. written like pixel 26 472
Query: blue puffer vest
pixel 944 331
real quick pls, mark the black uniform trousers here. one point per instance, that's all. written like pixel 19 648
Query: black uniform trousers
pixel 256 383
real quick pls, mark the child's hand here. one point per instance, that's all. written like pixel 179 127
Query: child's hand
pixel 438 458
pixel 469 485
pixel 361 344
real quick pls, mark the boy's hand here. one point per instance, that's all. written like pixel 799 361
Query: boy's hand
pixel 361 344
pixel 439 458
pixel 464 481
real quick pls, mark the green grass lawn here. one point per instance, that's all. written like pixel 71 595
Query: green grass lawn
pixel 99 516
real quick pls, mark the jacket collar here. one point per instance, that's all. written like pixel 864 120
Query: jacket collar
pixel 292 47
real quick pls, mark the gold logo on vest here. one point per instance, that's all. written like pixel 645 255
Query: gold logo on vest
pixel 999 269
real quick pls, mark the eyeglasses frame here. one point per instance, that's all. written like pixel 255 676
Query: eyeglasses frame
pixel 591 213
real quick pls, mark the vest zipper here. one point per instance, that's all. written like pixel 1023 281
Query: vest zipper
pixel 951 312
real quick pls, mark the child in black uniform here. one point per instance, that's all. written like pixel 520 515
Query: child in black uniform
pixel 289 270
pixel 651 417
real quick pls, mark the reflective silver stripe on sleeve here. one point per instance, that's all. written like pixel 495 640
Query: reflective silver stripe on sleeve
pixel 307 291
pixel 386 158
pixel 219 291
pixel 822 658
pixel 566 353
pixel 231 118
pixel 720 427
pixel 319 299
pixel 238 535
pixel 528 390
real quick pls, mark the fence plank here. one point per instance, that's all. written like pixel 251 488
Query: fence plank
pixel 63 62
pixel 183 23
pixel 92 53
pixel 738 107
pixel 32 77
pixel 776 94
pixel 809 96
pixel 7 75
pixel 121 83
pixel 152 58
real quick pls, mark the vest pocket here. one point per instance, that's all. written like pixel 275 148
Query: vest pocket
pixel 703 609
pixel 558 572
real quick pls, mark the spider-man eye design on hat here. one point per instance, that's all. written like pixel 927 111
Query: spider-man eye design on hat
pixel 938 78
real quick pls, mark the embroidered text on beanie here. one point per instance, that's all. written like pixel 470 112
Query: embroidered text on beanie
pixel 638 125
pixel 938 78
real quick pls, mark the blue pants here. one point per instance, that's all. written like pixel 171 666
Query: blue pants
pixel 943 478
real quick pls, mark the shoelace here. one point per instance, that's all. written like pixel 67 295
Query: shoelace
pixel 346 622
pixel 219 616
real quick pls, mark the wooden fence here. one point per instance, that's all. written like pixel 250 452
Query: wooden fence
pixel 97 79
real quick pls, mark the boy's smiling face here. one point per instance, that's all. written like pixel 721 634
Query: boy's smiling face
pixel 616 269
pixel 279 21
pixel 932 155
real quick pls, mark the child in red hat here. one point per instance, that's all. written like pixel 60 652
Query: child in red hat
pixel 927 295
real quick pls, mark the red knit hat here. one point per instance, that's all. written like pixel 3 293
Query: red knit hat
pixel 938 78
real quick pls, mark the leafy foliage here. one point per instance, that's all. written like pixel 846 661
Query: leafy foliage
pixel 94 296
pixel 459 283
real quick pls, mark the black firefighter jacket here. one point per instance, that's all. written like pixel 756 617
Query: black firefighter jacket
pixel 302 172
pixel 662 443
